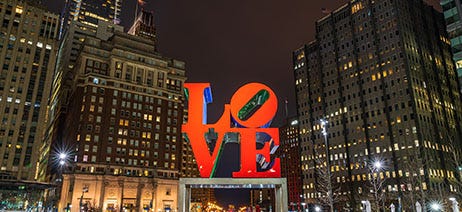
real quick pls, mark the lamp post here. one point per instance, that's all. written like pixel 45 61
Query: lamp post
pixel 376 167
pixel 62 156
pixel 302 202
pixel 366 205
pixel 329 175
pixel 454 204
pixel 84 190
pixel 60 161
pixel 435 206
pixel 459 168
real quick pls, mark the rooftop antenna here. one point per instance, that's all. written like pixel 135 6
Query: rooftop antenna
pixel 139 3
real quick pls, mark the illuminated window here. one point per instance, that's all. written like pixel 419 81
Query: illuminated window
pixel 459 64
pixel 356 7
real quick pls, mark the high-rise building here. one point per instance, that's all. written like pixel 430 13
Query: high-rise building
pixel 453 15
pixel 124 123
pixel 81 18
pixel 289 154
pixel 378 102
pixel 144 25
pixel 262 199
pixel 63 77
pixel 28 49
pixel 90 12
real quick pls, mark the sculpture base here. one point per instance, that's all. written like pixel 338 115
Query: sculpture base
pixel 278 184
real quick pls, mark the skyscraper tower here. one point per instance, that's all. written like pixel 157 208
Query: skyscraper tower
pixel 124 123
pixel 378 105
pixel 144 25
pixel 61 90
pixel 289 154
pixel 27 56
pixel 80 18
pixel 90 12
pixel 453 15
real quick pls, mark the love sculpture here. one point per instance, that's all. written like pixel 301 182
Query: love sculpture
pixel 247 118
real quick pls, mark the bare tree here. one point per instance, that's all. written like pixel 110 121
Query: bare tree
pixel 412 183
pixel 324 183
pixel 377 182
pixel 456 163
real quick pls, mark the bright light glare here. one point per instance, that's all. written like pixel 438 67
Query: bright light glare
pixel 62 156
pixel 378 164
pixel 435 206
pixel 317 208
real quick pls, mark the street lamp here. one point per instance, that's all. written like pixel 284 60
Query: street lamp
pixel 454 205
pixel 366 205
pixel 84 190
pixel 375 167
pixel 329 175
pixel 62 158
pixel 303 206
pixel 62 155
pixel 378 165
pixel 435 206
pixel 317 208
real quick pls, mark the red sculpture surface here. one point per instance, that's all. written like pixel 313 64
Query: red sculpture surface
pixel 251 110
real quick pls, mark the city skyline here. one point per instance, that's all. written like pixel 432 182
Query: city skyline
pixel 231 43
pixel 393 94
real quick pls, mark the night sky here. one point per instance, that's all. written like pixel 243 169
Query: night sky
pixel 232 42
